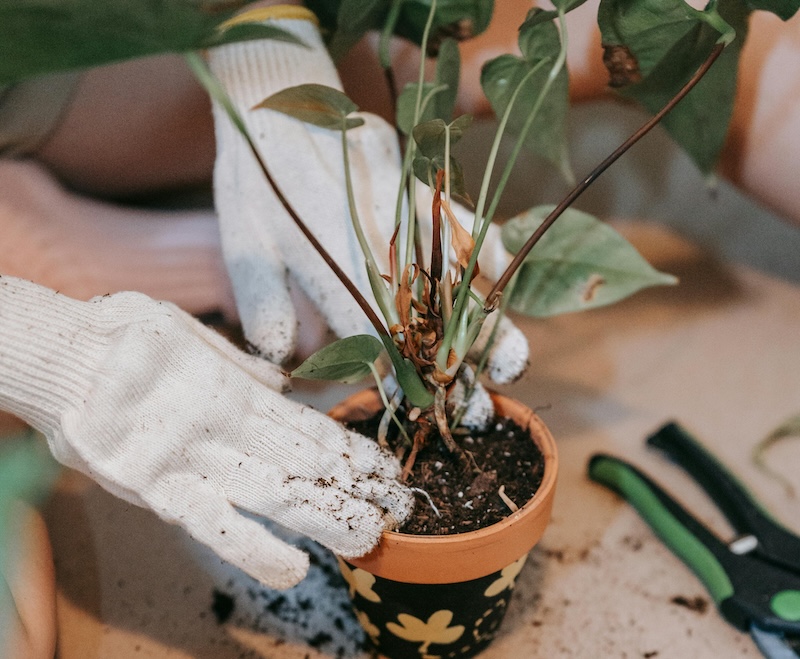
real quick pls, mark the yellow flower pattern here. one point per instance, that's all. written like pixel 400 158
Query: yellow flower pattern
pixel 508 576
pixel 435 630
pixel 372 630
pixel 360 581
pixel 484 604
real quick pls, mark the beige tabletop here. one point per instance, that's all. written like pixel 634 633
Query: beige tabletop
pixel 720 353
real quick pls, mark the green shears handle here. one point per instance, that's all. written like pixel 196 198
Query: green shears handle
pixel 678 529
pixel 744 588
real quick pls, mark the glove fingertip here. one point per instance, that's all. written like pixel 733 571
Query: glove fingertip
pixel 395 507
pixel 287 575
pixel 268 374
pixel 399 506
pixel 362 542
pixel 367 456
pixel 509 357
pixel 272 339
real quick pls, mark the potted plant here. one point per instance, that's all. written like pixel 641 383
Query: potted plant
pixel 658 53
pixel 430 589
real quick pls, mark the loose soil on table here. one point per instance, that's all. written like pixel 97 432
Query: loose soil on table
pixel 469 499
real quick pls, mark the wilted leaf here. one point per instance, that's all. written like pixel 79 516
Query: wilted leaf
pixel 622 66
pixel 667 41
pixel 46 36
pixel 346 360
pixel 315 104
pixel 461 239
pixel 580 263
pixel 500 77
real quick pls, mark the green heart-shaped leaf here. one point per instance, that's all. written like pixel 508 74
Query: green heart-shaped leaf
pixel 580 263
pixel 47 36
pixel 315 104
pixel 346 360
pixel 500 77
pixel 431 136
pixel 659 44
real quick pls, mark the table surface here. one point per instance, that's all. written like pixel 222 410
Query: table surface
pixel 719 352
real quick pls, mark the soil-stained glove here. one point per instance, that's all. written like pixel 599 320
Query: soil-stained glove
pixel 166 414
pixel 262 247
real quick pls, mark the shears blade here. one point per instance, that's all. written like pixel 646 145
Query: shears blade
pixel 775 645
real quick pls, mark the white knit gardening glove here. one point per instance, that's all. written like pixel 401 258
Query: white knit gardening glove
pixel 166 414
pixel 263 248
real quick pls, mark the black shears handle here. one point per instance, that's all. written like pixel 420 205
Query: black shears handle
pixel 771 541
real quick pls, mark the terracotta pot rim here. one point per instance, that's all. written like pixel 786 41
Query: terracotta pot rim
pixel 482 551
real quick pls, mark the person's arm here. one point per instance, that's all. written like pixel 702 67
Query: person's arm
pixel 762 154
pixel 85 246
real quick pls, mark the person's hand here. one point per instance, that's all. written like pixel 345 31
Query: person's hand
pixel 165 413
pixel 265 252
pixel 85 247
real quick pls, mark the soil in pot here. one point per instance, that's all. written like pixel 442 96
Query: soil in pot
pixel 506 471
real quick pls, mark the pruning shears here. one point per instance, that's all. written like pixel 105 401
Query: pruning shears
pixel 755 579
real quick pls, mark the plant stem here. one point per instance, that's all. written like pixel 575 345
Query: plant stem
pixel 493 297
pixel 555 70
pixel 408 179
pixel 351 202
pixel 461 298
pixel 482 361
pixel 390 407
pixel 389 26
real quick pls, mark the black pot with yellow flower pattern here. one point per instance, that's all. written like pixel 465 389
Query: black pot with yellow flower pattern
pixel 414 621
pixel 444 597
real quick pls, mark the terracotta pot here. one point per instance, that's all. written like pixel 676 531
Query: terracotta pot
pixel 445 596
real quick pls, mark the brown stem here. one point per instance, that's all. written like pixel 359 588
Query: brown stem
pixel 436 232
pixel 441 421
pixel 493 297
pixel 348 283
pixel 412 456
